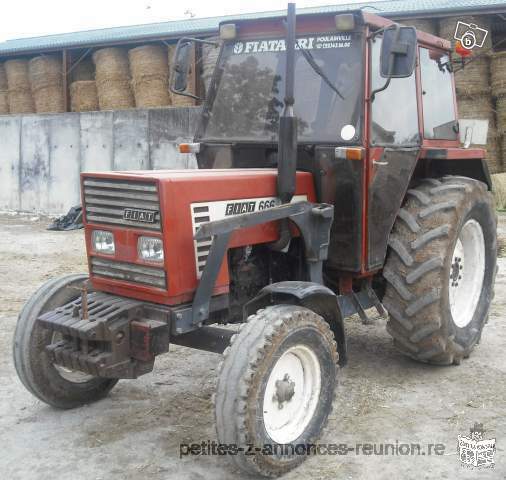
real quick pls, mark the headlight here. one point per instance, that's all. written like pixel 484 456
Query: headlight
pixel 103 242
pixel 150 249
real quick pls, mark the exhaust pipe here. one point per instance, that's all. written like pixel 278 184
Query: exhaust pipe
pixel 287 134
pixel 287 139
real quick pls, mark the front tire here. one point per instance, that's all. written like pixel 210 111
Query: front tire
pixel 54 385
pixel 276 387
pixel 440 269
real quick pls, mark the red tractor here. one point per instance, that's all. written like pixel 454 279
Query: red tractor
pixel 331 180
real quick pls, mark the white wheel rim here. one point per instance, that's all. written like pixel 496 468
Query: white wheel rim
pixel 74 376
pixel 467 273
pixel 292 393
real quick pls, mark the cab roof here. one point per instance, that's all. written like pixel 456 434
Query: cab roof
pixel 324 22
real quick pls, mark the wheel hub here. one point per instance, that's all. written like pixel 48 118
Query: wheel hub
pixel 285 390
pixel 455 276
pixel 467 273
pixel 291 394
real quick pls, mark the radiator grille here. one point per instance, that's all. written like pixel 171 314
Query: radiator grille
pixel 128 272
pixel 106 200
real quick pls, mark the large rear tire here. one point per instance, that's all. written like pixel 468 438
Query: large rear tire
pixel 54 385
pixel 440 269
pixel 275 387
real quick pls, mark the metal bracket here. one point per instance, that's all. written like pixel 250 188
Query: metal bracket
pixel 313 221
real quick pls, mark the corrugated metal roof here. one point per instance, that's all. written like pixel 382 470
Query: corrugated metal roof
pixel 196 26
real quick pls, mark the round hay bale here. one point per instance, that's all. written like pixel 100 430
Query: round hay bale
pixel 49 99
pixel 45 71
pixel 427 25
pixel 181 100
pixel 111 64
pixel 498 73
pixel 17 74
pixel 115 95
pixel 474 78
pixel 448 25
pixel 149 67
pixel 499 190
pixel 83 96
pixel 83 71
pixel 147 61
pixel 21 101
pixel 501 113
pixel 151 92
pixel 3 78
pixel 4 102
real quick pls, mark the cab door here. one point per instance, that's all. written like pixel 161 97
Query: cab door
pixel 394 139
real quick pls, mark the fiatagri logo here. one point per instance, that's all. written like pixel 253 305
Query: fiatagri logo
pixel 306 43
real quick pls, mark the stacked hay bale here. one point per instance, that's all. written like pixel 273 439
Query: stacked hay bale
pixel 424 24
pixel 46 83
pixel 472 84
pixel 149 68
pixel 4 101
pixel 18 83
pixel 83 89
pixel 181 100
pixel 83 96
pixel 498 82
pixel 113 79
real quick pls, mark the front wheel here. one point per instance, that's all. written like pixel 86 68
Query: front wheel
pixel 440 269
pixel 275 388
pixel 53 384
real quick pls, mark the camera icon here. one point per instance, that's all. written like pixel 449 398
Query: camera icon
pixel 470 35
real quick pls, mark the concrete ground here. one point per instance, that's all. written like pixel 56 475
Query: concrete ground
pixel 135 433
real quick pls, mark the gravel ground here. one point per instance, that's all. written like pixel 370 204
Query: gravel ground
pixel 137 430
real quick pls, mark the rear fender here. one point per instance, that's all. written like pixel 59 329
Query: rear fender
pixel 476 168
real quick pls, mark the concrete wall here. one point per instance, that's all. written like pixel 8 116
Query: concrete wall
pixel 41 156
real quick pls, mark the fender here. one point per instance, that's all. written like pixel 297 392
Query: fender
pixel 313 296
pixel 476 168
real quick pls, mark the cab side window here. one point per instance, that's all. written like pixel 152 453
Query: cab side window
pixel 437 93
pixel 394 110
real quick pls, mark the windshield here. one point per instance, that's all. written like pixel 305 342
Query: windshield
pixel 250 90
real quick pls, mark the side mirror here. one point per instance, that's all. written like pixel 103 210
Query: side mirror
pixel 398 52
pixel 181 67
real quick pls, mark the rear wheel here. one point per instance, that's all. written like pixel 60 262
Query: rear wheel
pixel 53 384
pixel 276 387
pixel 440 269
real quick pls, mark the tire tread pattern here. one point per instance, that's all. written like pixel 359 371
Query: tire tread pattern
pixel 241 359
pixel 414 268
